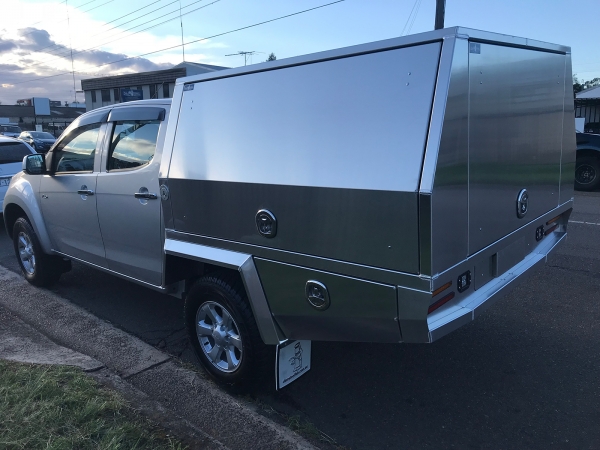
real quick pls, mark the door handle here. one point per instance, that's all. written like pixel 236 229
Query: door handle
pixel 85 192
pixel 146 195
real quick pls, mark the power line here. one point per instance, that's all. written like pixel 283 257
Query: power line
pixel 65 53
pixel 66 20
pixel 106 31
pixel 191 42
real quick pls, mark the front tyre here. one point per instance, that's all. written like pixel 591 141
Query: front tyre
pixel 38 268
pixel 223 332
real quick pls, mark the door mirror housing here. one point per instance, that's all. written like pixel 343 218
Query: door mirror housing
pixel 34 164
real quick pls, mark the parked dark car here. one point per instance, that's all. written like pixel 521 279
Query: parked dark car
pixel 10 130
pixel 587 167
pixel 39 140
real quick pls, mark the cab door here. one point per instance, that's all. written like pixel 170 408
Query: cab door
pixel 129 207
pixel 68 195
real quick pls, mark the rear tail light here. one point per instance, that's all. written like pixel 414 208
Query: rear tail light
pixel 441 288
pixel 445 299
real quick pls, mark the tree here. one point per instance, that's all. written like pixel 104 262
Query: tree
pixel 272 57
pixel 582 85
pixel 577 86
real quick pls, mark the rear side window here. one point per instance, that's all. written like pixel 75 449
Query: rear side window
pixel 12 152
pixel 75 153
pixel 132 144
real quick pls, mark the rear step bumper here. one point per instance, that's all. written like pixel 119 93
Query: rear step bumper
pixel 447 320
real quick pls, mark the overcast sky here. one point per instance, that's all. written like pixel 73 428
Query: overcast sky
pixel 53 39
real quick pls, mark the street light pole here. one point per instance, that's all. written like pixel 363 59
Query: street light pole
pixel 440 12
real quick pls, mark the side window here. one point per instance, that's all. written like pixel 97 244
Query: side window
pixel 133 143
pixel 75 153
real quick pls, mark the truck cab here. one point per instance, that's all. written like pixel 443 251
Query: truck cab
pixel 97 200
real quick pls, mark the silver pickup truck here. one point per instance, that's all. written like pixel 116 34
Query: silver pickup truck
pixel 386 192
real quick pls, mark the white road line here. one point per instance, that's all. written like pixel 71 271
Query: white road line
pixel 585 223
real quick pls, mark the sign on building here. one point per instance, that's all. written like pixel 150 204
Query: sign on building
pixel 128 95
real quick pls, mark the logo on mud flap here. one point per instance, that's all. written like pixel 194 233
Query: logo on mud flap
pixel 296 360
pixel 522 203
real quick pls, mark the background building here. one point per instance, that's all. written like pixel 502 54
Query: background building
pixel 138 86
pixel 587 105
pixel 25 118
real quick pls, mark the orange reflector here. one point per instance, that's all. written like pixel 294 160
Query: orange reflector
pixel 440 302
pixel 550 230
pixel 553 220
pixel 441 289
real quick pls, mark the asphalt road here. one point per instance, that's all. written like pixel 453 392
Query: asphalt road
pixel 525 375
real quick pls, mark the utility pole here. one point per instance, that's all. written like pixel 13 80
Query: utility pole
pixel 243 53
pixel 440 12
pixel 181 23
pixel 71 46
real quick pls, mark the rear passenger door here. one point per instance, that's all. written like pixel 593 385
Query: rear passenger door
pixel 127 193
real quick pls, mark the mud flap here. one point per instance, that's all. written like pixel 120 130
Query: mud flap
pixel 291 362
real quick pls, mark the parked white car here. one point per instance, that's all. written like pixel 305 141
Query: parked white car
pixel 12 152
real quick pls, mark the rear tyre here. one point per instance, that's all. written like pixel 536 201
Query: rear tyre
pixel 223 332
pixel 38 268
pixel 587 173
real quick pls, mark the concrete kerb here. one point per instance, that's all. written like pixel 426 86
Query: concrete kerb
pixel 145 373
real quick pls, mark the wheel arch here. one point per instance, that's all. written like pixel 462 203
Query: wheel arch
pixel 588 151
pixel 20 201
pixel 209 259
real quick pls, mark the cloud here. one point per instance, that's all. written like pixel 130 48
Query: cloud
pixel 32 54
pixel 6 46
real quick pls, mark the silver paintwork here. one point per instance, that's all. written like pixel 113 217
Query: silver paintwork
pixel 243 263
pixel 343 123
pixel 71 218
pixel 24 193
pixel 129 212
pixel 219 337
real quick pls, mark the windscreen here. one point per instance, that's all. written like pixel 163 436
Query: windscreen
pixel 12 152
pixel 41 135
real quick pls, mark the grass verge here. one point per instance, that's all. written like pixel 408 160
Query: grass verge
pixel 57 407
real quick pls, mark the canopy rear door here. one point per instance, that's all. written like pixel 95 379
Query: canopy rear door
pixel 515 137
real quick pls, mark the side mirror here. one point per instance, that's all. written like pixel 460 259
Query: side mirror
pixel 34 164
